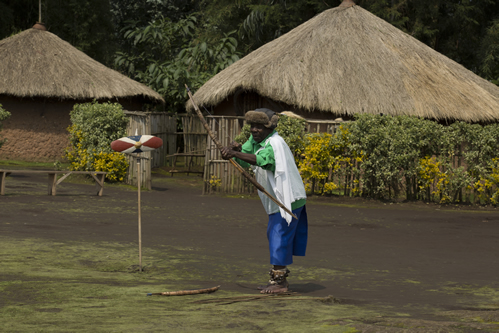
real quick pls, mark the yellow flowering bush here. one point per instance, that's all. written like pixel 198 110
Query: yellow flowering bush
pixel 215 182
pixel 94 127
pixel 430 175
pixel 321 160
pixel 316 160
pixel 494 177
pixel 114 163
pixel 487 186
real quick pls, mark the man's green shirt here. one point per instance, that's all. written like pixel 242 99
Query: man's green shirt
pixel 264 159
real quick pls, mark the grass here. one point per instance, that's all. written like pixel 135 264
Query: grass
pixel 53 286
pixel 69 286
pixel 31 165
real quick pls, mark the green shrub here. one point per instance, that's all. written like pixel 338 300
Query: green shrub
pixel 426 160
pixel 3 116
pixel 94 127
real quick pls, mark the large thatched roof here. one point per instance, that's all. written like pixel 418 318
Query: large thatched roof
pixel 348 61
pixel 37 63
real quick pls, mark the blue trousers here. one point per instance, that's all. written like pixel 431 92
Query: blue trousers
pixel 287 241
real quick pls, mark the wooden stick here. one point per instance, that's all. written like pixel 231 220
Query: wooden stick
pixel 186 292
pixel 234 163
pixel 245 298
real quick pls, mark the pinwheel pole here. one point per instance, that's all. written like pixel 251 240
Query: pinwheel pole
pixel 139 184
pixel 136 145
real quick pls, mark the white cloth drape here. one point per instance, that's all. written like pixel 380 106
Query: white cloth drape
pixel 285 184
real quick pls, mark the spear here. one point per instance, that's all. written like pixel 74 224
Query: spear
pixel 234 163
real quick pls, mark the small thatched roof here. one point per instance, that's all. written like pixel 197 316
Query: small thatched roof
pixel 37 63
pixel 348 61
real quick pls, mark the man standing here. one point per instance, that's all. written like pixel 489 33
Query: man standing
pixel 275 169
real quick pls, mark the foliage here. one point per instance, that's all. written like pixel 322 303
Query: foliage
pixel 489 53
pixel 318 163
pixel 3 116
pixel 215 182
pixel 94 127
pixel 166 55
pixel 493 181
pixel 291 129
pixel 259 22
pixel 465 31
pixel 84 24
pixel 400 157
pixel 114 163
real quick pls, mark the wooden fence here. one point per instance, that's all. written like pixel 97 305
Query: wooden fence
pixel 151 123
pixel 196 147
pixel 191 140
pixel 221 177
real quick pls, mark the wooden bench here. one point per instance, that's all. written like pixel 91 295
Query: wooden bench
pixel 53 181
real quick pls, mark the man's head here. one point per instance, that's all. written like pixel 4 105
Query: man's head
pixel 262 123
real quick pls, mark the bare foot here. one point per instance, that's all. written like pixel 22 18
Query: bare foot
pixel 274 288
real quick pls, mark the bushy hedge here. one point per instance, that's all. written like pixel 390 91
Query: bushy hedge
pixel 290 129
pixel 3 116
pixel 94 126
pixel 402 157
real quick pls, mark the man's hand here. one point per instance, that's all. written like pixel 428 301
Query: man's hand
pixel 231 150
pixel 228 153
pixel 235 146
pixel 234 150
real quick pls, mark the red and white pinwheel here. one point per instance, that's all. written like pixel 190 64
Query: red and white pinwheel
pixel 136 144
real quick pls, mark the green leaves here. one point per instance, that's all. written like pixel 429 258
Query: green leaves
pixel 382 157
pixel 94 127
pixel 166 55
pixel 3 116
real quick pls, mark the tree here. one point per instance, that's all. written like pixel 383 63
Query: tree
pixel 84 24
pixel 489 53
pixel 165 55
pixel 143 12
pixel 259 21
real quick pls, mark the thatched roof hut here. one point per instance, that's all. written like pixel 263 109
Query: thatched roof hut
pixel 347 61
pixel 42 77
pixel 37 63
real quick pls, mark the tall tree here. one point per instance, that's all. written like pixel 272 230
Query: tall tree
pixel 140 13
pixel 166 54
pixel 259 21
pixel 86 24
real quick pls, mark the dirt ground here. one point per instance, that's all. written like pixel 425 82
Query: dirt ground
pixel 431 262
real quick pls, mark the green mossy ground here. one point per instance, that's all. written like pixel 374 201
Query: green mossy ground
pixel 50 286
pixel 54 286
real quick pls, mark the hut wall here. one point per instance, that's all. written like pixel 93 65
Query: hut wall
pixel 36 130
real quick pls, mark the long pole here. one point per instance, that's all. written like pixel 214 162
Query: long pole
pixel 234 163
pixel 40 11
pixel 140 226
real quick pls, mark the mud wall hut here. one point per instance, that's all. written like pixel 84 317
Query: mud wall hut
pixel 42 78
pixel 347 61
